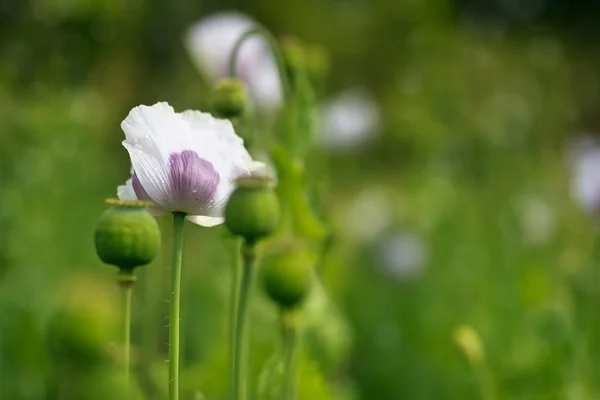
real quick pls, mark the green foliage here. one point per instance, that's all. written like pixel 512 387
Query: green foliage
pixel 474 134
pixel 311 383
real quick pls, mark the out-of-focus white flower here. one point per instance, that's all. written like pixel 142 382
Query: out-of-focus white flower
pixel 585 182
pixel 403 255
pixel 372 208
pixel 538 220
pixel 210 43
pixel 183 162
pixel 348 120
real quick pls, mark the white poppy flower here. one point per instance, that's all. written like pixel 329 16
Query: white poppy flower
pixel 183 162
pixel 403 255
pixel 210 43
pixel 585 184
pixel 372 206
pixel 538 219
pixel 348 120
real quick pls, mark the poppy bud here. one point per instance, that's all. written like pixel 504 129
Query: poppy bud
pixel 127 236
pixel 230 98
pixel 294 54
pixel 287 275
pixel 253 209
pixel 85 322
pixel 469 342
pixel 311 59
pixel 318 64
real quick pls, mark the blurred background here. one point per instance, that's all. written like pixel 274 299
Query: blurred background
pixel 459 175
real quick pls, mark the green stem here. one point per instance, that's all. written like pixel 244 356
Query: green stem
pixel 126 279
pixel 235 292
pixel 274 46
pixel 288 326
pixel 486 382
pixel 175 295
pixel 239 342
pixel 127 294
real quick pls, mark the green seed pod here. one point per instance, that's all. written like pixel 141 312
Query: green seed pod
pixel 253 209
pixel 127 236
pixel 230 98
pixel 85 322
pixel 287 275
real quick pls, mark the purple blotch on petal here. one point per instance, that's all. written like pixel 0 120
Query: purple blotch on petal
pixel 194 180
pixel 139 190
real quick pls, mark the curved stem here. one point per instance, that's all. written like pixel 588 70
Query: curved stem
pixel 235 289
pixel 174 303
pixel 127 294
pixel 289 344
pixel 239 342
pixel 274 46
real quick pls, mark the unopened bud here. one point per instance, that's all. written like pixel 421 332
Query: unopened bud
pixel 253 209
pixel 294 54
pixel 318 64
pixel 287 275
pixel 468 341
pixel 85 321
pixel 230 99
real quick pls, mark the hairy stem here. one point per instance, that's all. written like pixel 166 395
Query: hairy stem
pixel 239 341
pixel 235 292
pixel 127 294
pixel 174 304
